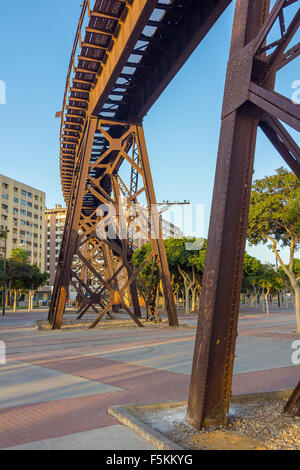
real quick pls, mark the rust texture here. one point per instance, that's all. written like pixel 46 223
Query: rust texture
pixel 293 405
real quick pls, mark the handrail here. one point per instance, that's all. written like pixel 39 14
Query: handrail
pixel 85 6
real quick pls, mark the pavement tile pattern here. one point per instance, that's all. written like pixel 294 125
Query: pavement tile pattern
pixel 61 384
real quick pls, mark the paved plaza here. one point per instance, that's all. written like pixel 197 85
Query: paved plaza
pixel 57 386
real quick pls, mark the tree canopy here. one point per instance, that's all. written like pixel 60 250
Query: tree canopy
pixel 274 218
pixel 275 209
pixel 21 277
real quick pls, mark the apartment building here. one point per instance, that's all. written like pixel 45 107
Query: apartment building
pixel 22 214
pixel 54 223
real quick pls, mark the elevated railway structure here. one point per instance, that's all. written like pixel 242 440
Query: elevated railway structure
pixel 124 55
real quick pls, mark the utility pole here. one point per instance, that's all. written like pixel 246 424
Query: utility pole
pixel 3 235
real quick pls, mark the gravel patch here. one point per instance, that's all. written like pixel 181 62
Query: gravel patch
pixel 252 425
pixel 109 324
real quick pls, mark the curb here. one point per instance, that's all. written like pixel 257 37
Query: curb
pixel 125 415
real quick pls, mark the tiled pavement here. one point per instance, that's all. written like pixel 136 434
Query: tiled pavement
pixel 60 384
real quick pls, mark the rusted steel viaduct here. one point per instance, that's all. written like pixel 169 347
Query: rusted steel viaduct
pixel 124 55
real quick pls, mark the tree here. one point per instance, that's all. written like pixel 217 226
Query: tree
pixel 35 280
pixel 251 273
pixel 285 278
pixel 275 218
pixel 19 255
pixel 267 279
pixel 21 277
pixel 186 267
pixel 3 234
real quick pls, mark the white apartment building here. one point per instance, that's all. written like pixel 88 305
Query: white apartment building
pixel 22 214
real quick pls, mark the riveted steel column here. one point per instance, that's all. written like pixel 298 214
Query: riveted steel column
pixel 210 389
pixel 63 275
pixel 158 245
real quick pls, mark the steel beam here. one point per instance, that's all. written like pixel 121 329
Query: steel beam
pixel 282 141
pixel 293 405
pixel 63 275
pixel 210 388
pixel 157 243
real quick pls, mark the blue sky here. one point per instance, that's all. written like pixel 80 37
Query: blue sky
pixel 182 128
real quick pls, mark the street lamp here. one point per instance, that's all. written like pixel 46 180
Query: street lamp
pixel 3 235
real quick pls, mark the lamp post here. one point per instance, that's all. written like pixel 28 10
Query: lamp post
pixel 278 294
pixel 3 235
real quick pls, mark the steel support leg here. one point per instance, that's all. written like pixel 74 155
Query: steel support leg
pixel 68 247
pixel 157 243
pixel 210 388
pixel 293 405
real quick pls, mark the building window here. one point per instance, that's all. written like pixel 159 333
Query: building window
pixel 29 204
pixel 30 195
pixel 29 214
pixel 22 212
pixel 16 200
pixel 23 193
pixel 4 185
pixel 23 202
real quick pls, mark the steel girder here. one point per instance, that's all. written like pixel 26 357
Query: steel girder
pixel 249 101
pixel 102 242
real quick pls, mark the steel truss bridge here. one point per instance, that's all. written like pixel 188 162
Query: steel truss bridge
pixel 124 55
